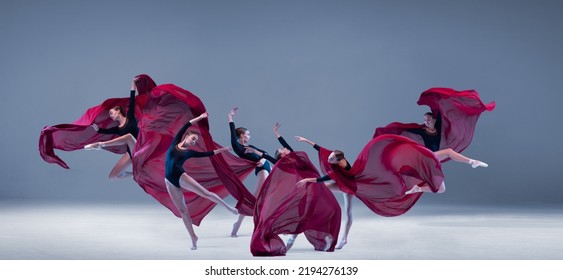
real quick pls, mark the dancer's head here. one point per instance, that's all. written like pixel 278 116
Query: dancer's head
pixel 282 152
pixel 429 120
pixel 335 157
pixel 190 138
pixel 243 135
pixel 116 112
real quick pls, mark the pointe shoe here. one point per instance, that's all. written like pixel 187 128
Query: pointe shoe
pixel 328 241
pixel 194 243
pixel 232 210
pixel 341 244
pixel 476 163
pixel 414 189
pixel 234 232
pixel 92 147
pixel 290 242
pixel 442 187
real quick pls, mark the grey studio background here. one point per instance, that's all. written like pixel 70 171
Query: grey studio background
pixel 331 71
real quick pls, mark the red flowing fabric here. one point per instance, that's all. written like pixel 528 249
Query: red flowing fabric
pixel 385 169
pixel 284 208
pixel 165 110
pixel 459 110
pixel 71 137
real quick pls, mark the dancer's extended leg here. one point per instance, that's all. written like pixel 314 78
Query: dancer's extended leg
pixel 178 200
pixel 449 153
pixel 348 214
pixel 261 176
pixel 118 170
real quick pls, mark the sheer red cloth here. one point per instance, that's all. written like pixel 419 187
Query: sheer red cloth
pixel 385 169
pixel 163 112
pixel 71 137
pixel 284 208
pixel 459 110
pixel 160 112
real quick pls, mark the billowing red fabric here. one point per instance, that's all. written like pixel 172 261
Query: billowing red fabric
pixel 163 112
pixel 387 167
pixel 459 110
pixel 284 208
pixel 160 112
pixel 71 137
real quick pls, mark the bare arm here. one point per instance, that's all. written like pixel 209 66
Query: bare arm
pixel 232 113
pixel 304 182
pixel 199 118
pixel 276 127
pixel 303 139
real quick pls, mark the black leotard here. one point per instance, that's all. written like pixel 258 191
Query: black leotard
pixel 239 149
pixel 431 140
pixel 130 125
pixel 326 177
pixel 176 157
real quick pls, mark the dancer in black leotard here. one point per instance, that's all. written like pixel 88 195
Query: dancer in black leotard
pixel 239 141
pixel 336 158
pixel 431 133
pixel 285 150
pixel 279 154
pixel 127 131
pixel 177 178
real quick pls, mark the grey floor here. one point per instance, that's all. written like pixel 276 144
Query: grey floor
pixel 42 230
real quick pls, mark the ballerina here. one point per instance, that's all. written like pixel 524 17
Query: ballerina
pixel 177 179
pixel 337 159
pixel 128 131
pixel 284 208
pixel 385 168
pixel 83 131
pixel 448 129
pixel 240 138
pixel 431 134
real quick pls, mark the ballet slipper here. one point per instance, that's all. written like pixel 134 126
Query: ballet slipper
pixel 476 163
pixel 414 189
pixel 290 242
pixel 93 147
pixel 341 244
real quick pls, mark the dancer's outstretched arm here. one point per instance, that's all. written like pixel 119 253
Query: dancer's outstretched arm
pixel 237 147
pixel 303 139
pixel 280 138
pixel 262 154
pixel 178 137
pixel 131 109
